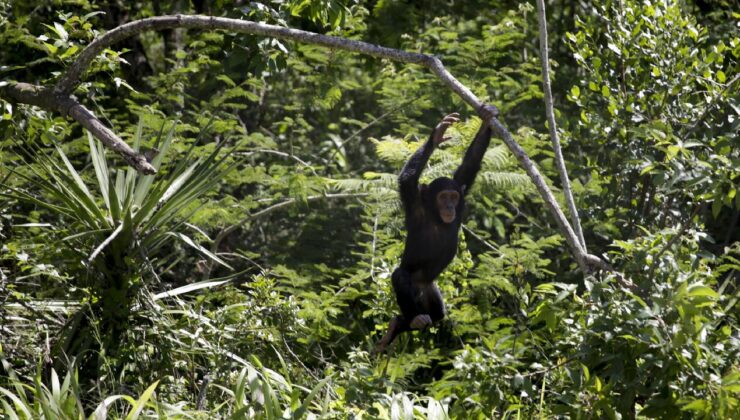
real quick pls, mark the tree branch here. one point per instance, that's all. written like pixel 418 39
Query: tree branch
pixel 567 191
pixel 68 106
pixel 71 79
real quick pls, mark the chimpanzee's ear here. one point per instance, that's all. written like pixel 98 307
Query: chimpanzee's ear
pixel 462 189
pixel 423 191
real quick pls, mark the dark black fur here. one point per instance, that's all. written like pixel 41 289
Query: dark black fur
pixel 430 243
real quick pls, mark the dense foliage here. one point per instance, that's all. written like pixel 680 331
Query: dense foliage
pixel 250 278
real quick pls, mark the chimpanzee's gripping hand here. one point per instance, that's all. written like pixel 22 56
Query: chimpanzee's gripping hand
pixel 487 112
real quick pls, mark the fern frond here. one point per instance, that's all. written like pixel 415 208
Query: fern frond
pixel 468 128
pixel 496 157
pixel 374 182
pixel 350 185
pixel 501 181
pixel 444 165
pixel 394 150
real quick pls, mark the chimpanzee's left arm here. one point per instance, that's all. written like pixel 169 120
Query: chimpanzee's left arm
pixel 468 169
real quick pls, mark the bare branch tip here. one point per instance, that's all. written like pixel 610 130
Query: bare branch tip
pixel 145 167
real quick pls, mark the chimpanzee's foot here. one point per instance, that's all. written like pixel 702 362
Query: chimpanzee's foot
pixel 420 322
pixel 388 337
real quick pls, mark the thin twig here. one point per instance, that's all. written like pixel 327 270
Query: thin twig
pixel 373 122
pixel 281 154
pixel 560 162
pixel 482 240
pixel 227 231
pixel 684 226
pixel 232 228
pixel 201 400
pixel 553 367
pixel 372 259
pixel 712 103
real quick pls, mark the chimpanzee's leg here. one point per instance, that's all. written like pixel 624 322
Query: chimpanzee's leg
pixel 405 295
pixel 435 303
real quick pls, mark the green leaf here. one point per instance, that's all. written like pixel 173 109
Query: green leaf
pixel 716 208
pixel 575 92
pixel 696 405
pixel 700 290
pixel 97 156
pixel 614 48
pixel 101 411
pixel 145 182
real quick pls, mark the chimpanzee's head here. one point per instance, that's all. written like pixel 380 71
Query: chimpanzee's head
pixel 443 197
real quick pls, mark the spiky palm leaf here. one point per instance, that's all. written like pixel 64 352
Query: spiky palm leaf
pixel 122 203
pixel 118 223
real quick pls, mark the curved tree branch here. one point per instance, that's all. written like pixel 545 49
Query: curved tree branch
pixel 71 79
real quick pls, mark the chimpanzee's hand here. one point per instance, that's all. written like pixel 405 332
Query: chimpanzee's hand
pixel 420 322
pixel 439 130
pixel 487 112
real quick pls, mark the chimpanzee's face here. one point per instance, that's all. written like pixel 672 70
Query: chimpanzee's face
pixel 447 201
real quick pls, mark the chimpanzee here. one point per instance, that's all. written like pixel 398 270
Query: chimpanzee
pixel 433 217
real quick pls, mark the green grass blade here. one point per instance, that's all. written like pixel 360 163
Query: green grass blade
pixel 239 392
pixel 141 402
pixel 8 410
pixel 19 404
pixel 205 284
pixel 101 411
pixel 73 172
pixel 76 188
pixel 177 183
pixel 23 196
pixel 85 233
pixel 310 397
pixel 137 136
pixel 62 188
pixel 56 389
pixel 164 147
pixel 131 175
